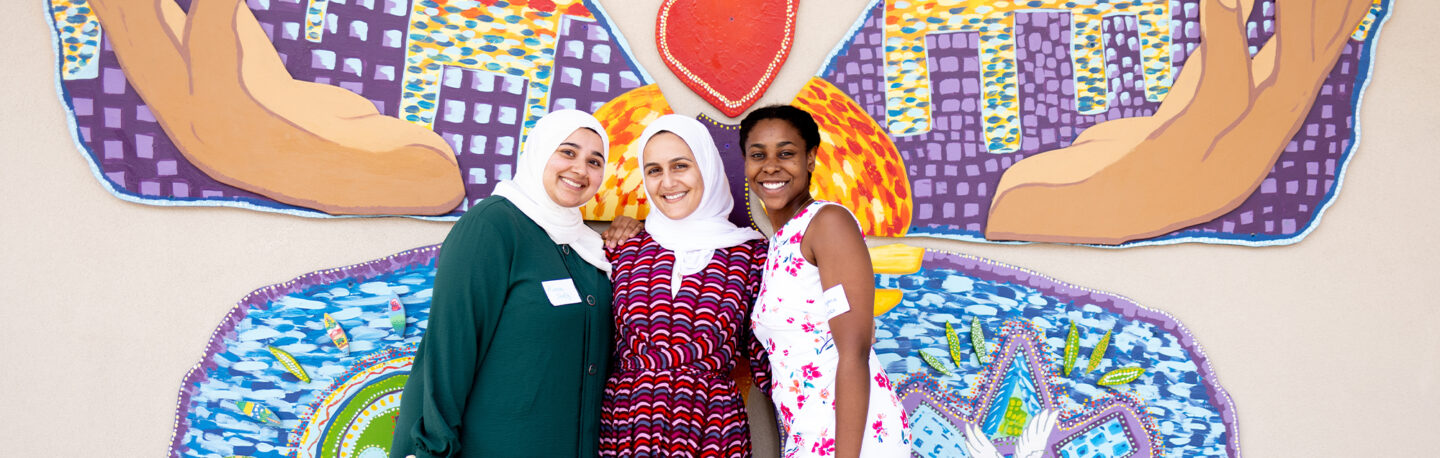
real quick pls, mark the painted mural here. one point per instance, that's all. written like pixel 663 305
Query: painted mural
pixel 1108 122
pixel 1104 122
pixel 971 343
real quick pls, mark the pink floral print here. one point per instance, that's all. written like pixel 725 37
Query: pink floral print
pixel 787 317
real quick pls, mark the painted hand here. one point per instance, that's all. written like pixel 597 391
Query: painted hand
pixel 215 83
pixel 1206 149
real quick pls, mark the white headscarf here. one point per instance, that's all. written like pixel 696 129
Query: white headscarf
pixel 527 189
pixel 694 238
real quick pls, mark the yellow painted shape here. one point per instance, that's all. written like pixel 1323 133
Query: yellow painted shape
pixel 315 20
pixel 1087 55
pixel 1367 24
pixel 893 259
pixel 1155 41
pixel 625 118
pixel 1000 86
pixel 886 299
pixel 78 34
pixel 896 259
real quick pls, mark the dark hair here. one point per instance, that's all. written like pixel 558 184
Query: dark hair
pixel 799 119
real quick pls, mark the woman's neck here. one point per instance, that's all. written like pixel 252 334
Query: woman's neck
pixel 782 215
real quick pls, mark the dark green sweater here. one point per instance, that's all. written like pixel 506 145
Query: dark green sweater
pixel 501 371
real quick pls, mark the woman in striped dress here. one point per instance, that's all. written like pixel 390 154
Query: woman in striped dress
pixel 682 295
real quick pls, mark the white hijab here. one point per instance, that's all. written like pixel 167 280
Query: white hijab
pixel 694 238
pixel 527 189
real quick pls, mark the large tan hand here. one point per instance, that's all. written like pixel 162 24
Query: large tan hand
pixel 1208 146
pixel 217 86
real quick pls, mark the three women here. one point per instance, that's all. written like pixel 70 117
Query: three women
pixel 683 290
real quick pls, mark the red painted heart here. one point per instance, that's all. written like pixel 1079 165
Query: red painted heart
pixel 727 51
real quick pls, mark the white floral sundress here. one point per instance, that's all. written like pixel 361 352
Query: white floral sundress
pixel 793 323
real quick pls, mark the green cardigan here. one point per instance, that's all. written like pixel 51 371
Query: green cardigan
pixel 501 371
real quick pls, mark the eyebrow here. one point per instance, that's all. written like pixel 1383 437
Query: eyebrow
pixel 576 146
pixel 672 161
pixel 762 145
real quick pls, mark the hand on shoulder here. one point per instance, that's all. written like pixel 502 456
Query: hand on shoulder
pixel 620 230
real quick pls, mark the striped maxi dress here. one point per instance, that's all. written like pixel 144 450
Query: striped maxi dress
pixel 671 391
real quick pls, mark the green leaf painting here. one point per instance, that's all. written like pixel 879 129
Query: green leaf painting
pixel 289 363
pixel 1099 353
pixel 1121 376
pixel 954 342
pixel 977 340
pixel 934 362
pixel 1072 348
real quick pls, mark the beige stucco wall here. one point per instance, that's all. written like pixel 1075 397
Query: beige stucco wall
pixel 1330 347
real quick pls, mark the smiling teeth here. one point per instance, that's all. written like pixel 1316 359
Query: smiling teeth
pixel 571 182
pixel 675 196
pixel 772 185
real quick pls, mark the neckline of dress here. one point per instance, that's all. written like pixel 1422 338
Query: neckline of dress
pixel 798 214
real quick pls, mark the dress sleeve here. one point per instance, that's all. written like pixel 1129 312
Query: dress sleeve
pixel 759 360
pixel 611 255
pixel 471 283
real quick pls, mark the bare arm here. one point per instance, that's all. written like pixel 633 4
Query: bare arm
pixel 835 245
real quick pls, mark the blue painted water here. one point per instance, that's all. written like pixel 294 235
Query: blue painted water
pixel 294 323
pixel 1172 387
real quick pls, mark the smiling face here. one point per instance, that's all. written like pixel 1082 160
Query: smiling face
pixel 778 165
pixel 671 175
pixel 573 174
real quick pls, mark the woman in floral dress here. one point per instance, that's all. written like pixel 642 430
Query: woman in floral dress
pixel 682 288
pixel 814 315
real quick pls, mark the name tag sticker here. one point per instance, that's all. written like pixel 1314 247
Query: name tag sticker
pixel 561 292
pixel 835 301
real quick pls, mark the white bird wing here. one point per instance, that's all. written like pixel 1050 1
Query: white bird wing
pixel 1033 440
pixel 979 446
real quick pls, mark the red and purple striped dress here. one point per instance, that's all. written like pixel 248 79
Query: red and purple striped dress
pixel 671 392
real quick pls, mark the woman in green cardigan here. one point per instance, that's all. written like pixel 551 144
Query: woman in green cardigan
pixel 514 359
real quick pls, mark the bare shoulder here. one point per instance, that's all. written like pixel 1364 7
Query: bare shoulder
pixel 834 223
pixel 834 237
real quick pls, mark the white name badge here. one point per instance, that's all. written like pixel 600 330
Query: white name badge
pixel 835 301
pixel 561 292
